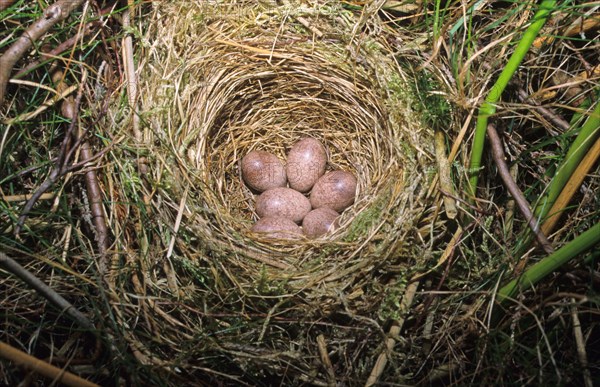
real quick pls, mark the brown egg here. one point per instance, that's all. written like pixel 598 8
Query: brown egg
pixel 305 164
pixel 263 170
pixel 319 221
pixel 277 227
pixel 282 202
pixel 335 189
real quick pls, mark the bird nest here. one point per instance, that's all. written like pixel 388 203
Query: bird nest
pixel 218 81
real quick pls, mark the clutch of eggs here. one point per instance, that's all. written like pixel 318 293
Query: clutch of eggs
pixel 282 209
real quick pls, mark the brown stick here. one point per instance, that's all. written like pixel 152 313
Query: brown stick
pixel 498 155
pixel 547 112
pixel 60 168
pixel 69 110
pixel 580 343
pixel 45 291
pixel 5 4
pixel 52 15
pixel 97 210
pixel 64 46
pixel 40 366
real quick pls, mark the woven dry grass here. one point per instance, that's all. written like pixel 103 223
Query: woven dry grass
pixel 217 82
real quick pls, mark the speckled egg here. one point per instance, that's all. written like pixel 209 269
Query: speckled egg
pixel 282 202
pixel 306 162
pixel 335 190
pixel 277 227
pixel 319 221
pixel 262 170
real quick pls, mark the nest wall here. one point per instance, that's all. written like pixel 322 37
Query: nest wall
pixel 217 81
pixel 240 78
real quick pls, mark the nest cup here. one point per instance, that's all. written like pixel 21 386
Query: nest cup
pixel 247 78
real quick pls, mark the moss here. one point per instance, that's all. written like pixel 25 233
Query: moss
pixel 390 308
pixel 429 102
pixel 366 219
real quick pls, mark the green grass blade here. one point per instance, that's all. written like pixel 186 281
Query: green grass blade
pixel 552 262
pixel 488 108
pixel 590 131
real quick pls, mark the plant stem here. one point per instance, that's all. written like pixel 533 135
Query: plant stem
pixel 589 133
pixel 552 262
pixel 488 108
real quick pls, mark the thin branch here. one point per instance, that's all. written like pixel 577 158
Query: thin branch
pixel 64 46
pixel 68 44
pixel 550 114
pixel 45 186
pixel 96 208
pixel 40 366
pixel 522 204
pixel 52 15
pixel 5 4
pixel 60 167
pixel 45 291
pixel 129 64
pixel 24 198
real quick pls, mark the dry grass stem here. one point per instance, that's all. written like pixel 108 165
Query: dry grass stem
pixel 444 174
pixel 573 184
pixel 48 370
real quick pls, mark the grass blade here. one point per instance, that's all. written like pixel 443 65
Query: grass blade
pixel 590 132
pixel 488 108
pixel 552 262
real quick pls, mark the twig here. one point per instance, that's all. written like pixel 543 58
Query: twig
pixel 322 345
pixel 498 155
pixel 382 360
pixel 45 291
pixel 40 366
pixel 509 215
pixel 547 112
pixel 312 28
pixel 59 169
pixel 45 186
pixel 96 208
pixel 52 15
pixel 5 4
pixel 64 46
pixel 94 192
